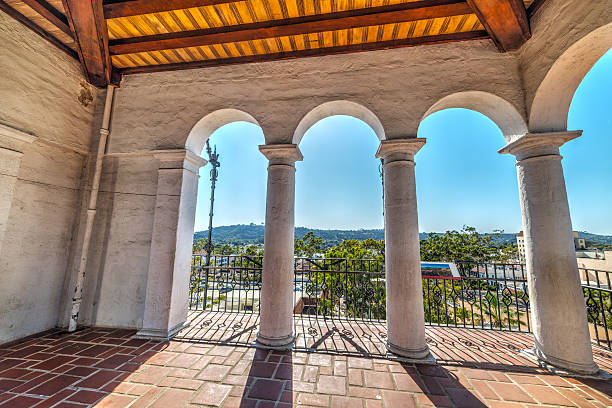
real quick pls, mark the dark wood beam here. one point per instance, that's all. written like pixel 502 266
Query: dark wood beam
pixel 293 26
pixel 51 14
pixel 91 36
pixel 316 52
pixel 126 8
pixel 534 7
pixel 29 24
pixel 505 20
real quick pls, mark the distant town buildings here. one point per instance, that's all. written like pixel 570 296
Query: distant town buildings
pixel 579 246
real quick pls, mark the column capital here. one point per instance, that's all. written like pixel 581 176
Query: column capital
pixel 286 154
pixel 539 144
pixel 399 149
pixel 179 159
pixel 14 139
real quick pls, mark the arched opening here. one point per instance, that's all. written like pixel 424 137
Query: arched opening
pixel 206 126
pixel 550 107
pixel 226 275
pixel 461 179
pixel 335 108
pixel 339 220
pixel 338 184
pixel 469 212
pixel 586 160
pixel 500 111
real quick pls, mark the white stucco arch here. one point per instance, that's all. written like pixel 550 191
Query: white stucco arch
pixel 340 107
pixel 206 126
pixel 554 95
pixel 500 111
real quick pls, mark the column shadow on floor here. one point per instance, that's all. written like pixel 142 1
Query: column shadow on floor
pixel 270 380
pixel 434 385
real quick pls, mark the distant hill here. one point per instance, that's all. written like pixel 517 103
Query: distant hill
pixel 595 239
pixel 254 234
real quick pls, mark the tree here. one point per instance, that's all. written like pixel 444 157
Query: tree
pixel 309 245
pixel 465 245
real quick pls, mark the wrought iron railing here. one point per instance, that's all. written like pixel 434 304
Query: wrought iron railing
pixel 340 288
pixel 484 296
pixel 598 296
pixel 230 283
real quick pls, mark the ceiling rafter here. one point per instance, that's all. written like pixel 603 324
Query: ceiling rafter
pixel 36 29
pixel 49 12
pixel 397 13
pixel 506 21
pixel 127 8
pixel 346 49
pixel 91 37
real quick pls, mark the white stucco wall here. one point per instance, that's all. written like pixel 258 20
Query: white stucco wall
pixel 39 91
pixel 557 27
pixel 158 111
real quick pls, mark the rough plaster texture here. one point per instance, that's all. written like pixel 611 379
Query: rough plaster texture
pixel 404 303
pixel 39 89
pixel 167 294
pixel 276 309
pixel 558 42
pixel 559 327
pixel 156 111
pixel 392 90
pixel 114 292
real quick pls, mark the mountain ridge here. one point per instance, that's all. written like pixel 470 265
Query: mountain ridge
pixel 254 234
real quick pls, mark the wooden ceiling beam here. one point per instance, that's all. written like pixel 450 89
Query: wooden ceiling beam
pixel 36 29
pixel 505 20
pixel 315 52
pixel 374 16
pixel 49 12
pixel 91 36
pixel 126 8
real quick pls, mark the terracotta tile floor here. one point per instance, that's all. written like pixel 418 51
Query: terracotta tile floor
pixel 106 368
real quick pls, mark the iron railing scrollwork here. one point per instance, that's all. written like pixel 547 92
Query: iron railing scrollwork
pixel 484 296
pixel 596 285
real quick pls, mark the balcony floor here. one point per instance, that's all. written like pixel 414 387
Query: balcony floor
pixel 106 368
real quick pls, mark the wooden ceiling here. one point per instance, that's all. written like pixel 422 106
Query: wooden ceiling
pixel 117 37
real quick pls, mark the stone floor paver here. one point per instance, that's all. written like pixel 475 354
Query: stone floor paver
pixel 109 369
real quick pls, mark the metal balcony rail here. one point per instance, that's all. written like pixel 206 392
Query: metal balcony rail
pixel 598 296
pixel 483 296
pixel 230 283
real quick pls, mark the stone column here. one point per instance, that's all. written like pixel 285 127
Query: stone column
pixel 12 144
pixel 167 295
pixel 276 307
pixel 405 315
pixel 557 302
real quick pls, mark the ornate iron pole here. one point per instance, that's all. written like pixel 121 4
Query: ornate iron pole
pixel 213 159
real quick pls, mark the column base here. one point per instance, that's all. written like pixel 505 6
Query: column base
pixel 160 334
pixel 419 356
pixel 275 343
pixel 565 368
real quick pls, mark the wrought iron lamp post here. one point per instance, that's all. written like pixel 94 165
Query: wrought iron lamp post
pixel 213 159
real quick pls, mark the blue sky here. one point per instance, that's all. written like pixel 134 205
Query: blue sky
pixel 461 179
